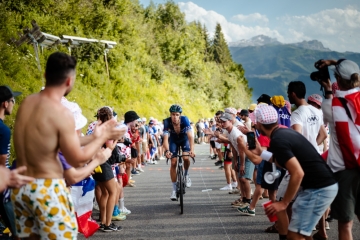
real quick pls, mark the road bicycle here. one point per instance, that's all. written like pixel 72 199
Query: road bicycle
pixel 180 184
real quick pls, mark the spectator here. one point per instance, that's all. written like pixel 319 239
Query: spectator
pixel 307 170
pixel 341 111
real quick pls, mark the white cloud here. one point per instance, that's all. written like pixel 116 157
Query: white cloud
pixel 337 29
pixel 233 32
pixel 251 18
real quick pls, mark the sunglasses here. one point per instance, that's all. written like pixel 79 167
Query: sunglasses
pixel 12 100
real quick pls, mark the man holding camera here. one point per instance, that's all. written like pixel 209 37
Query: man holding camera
pixel 341 111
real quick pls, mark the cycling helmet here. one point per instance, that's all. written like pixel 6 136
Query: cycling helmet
pixel 175 108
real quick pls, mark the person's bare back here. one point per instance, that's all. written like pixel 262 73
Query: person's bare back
pixel 36 135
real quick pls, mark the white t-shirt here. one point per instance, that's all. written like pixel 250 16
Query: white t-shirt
pixel 311 119
pixel 335 158
pixel 233 135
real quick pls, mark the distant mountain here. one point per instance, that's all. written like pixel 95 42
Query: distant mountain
pixel 260 40
pixel 270 67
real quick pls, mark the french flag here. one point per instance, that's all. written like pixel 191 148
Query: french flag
pixel 82 194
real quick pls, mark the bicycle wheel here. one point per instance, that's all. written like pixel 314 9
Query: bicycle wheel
pixel 180 176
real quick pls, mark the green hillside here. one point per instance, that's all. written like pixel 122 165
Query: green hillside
pixel 270 68
pixel 159 59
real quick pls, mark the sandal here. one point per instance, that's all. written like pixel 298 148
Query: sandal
pixel 236 201
pixel 271 229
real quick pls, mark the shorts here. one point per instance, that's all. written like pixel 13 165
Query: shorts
pixel 176 143
pixel 249 169
pixel 283 187
pixel 160 141
pixel 144 146
pixel 202 134
pixel 212 143
pixel 347 202
pixel 134 153
pixel 227 159
pixel 106 175
pixel 44 208
pixel 217 145
pixel 140 148
pixel 308 208
pixel 260 172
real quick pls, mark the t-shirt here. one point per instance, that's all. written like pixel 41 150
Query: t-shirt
pixel 264 141
pixel 286 143
pixel 5 135
pixel 311 119
pixel 284 116
pixel 233 135
pixel 335 158
pixel 235 124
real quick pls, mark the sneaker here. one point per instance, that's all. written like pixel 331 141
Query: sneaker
pixel 327 226
pixel 234 191
pixel 240 205
pixel 102 226
pixel 173 196
pixel 111 228
pixel 162 158
pixel 130 185
pixel 218 163
pixel 221 167
pixel 125 211
pixel 234 184
pixel 139 170
pixel 214 157
pixel 246 211
pixel 155 162
pixel 134 173
pixel 188 181
pixel 226 188
pixel 119 217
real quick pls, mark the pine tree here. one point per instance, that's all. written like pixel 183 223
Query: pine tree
pixel 207 50
pixel 220 49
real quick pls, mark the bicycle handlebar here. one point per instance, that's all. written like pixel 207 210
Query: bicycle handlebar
pixel 177 156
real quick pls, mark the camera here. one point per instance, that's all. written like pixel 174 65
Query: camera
pixel 322 74
pixel 127 142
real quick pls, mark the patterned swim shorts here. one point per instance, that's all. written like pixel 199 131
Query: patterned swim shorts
pixel 43 208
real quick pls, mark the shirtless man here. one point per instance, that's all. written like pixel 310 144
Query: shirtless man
pixel 44 126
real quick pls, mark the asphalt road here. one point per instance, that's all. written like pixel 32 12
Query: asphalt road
pixel 207 215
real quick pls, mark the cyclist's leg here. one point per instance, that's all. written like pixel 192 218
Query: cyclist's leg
pixel 173 149
pixel 185 147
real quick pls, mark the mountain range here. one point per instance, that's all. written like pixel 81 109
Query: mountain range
pixel 270 65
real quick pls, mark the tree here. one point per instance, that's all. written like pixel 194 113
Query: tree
pixel 220 49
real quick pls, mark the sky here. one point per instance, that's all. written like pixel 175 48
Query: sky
pixel 336 23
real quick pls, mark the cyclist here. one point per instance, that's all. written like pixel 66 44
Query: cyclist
pixel 177 133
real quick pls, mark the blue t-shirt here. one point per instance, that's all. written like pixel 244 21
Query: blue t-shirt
pixel 284 116
pixel 5 135
pixel 184 127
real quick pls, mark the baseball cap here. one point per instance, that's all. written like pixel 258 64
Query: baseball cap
pixel 144 119
pixel 80 119
pixel 266 115
pixel 226 117
pixel 316 98
pixel 244 112
pixel 264 98
pixel 130 116
pixel 345 68
pixel 6 93
pixel 151 122
pixel 252 106
pixel 231 110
